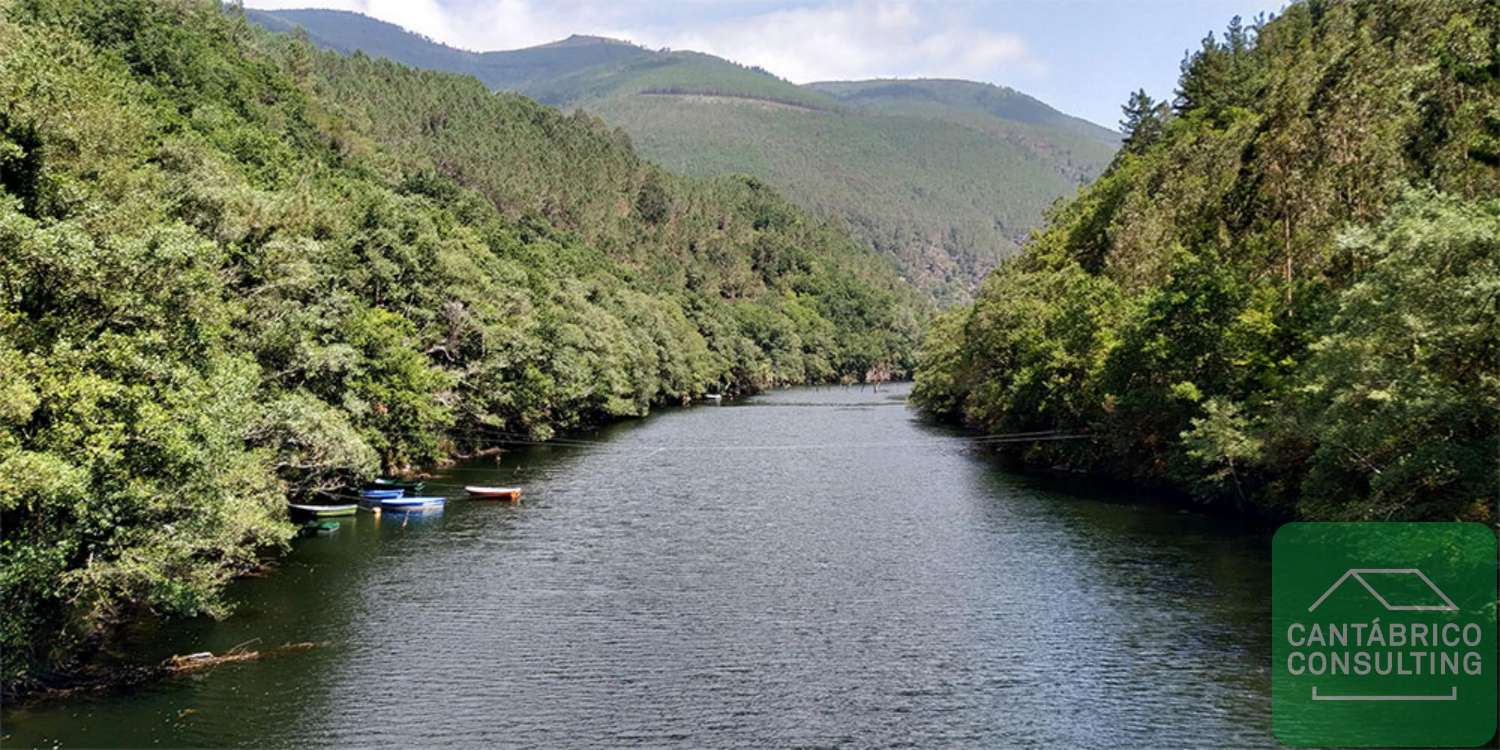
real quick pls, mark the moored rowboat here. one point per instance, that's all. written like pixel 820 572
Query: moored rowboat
pixel 323 511
pixel 381 494
pixel 494 493
pixel 410 503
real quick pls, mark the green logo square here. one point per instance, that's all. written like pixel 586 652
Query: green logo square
pixel 1383 634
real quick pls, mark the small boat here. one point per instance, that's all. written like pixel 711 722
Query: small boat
pixel 383 483
pixel 494 493
pixel 381 494
pixel 411 503
pixel 324 511
pixel 318 528
pixel 714 396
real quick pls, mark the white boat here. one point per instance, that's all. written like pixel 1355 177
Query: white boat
pixel 494 493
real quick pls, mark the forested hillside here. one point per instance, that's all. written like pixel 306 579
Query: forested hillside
pixel 237 269
pixel 982 106
pixel 947 197
pixel 946 177
pixel 1281 296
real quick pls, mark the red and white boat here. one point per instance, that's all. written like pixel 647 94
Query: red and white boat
pixel 494 493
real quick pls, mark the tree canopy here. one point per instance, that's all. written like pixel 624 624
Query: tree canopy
pixel 1283 299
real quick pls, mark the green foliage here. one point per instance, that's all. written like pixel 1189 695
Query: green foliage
pixel 1401 391
pixel 1291 297
pixel 1170 355
pixel 940 381
pixel 237 270
pixel 1143 123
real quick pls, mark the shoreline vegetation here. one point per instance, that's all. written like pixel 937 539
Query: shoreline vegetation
pixel 1280 296
pixel 239 270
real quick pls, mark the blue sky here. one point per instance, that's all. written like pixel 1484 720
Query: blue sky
pixel 1081 56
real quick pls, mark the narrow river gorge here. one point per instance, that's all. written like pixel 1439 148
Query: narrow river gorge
pixel 811 567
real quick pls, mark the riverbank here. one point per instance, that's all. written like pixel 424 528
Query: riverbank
pixel 1099 479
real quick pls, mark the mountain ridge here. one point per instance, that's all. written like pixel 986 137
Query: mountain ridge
pixel 878 156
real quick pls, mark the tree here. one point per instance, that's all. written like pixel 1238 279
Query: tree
pixel 1402 392
pixel 1144 121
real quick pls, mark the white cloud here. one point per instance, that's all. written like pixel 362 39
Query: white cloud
pixel 831 39
pixel 492 25
pixel 858 40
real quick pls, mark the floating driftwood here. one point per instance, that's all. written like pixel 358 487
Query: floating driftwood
pixel 205 659
pixel 98 681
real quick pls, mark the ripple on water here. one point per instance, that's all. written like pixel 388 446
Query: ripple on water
pixel 838 594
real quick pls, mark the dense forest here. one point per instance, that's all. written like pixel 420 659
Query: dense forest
pixel 236 269
pixel 946 191
pixel 946 177
pixel 1282 295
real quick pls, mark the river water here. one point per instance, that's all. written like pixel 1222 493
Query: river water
pixel 812 567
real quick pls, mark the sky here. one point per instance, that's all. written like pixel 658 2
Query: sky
pixel 1083 57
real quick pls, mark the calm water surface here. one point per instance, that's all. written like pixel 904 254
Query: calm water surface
pixel 815 567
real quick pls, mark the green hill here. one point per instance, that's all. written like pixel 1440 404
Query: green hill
pixel 1281 295
pixel 947 177
pixel 946 200
pixel 238 270
pixel 985 106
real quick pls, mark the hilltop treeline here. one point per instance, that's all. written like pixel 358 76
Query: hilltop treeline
pixel 234 270
pixel 1281 296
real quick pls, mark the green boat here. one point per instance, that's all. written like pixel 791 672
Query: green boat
pixel 324 511
pixel 318 528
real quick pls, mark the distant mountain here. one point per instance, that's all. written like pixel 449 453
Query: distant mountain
pixel 946 176
pixel 514 70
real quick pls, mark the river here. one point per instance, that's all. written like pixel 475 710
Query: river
pixel 810 567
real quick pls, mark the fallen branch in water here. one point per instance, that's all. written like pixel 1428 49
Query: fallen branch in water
pixel 129 677
pixel 205 659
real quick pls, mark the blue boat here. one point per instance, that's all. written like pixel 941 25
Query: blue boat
pixel 381 494
pixel 411 503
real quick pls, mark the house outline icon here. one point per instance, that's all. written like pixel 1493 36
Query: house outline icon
pixel 1358 575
